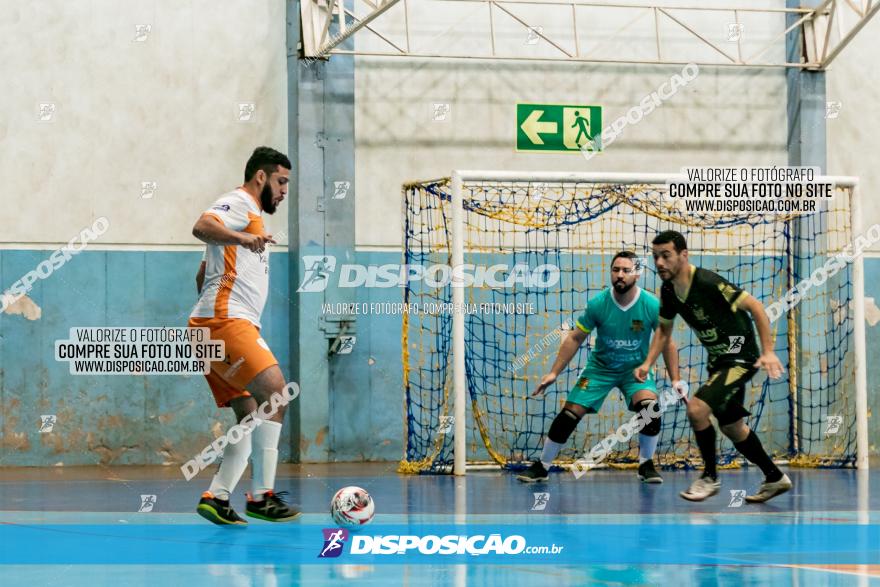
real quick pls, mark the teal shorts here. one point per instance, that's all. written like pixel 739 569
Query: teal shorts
pixel 595 383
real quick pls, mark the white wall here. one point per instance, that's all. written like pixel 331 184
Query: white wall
pixel 854 136
pixel 724 117
pixel 164 110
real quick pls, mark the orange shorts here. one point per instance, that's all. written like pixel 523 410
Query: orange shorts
pixel 247 355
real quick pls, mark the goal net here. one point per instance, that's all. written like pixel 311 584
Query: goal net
pixel 530 225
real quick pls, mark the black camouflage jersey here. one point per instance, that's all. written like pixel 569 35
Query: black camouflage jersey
pixel 711 309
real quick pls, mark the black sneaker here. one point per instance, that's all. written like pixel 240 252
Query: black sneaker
pixel 271 508
pixel 648 474
pixel 218 511
pixel 534 474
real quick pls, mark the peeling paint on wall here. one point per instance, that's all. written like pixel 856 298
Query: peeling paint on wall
pixel 304 444
pixel 26 307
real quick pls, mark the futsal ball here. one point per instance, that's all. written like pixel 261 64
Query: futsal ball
pixel 351 506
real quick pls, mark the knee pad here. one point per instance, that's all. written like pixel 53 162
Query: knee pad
pixel 563 425
pixel 652 428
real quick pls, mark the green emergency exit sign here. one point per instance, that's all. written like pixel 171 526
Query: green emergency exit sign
pixel 558 127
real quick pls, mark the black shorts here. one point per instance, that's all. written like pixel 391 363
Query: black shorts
pixel 725 392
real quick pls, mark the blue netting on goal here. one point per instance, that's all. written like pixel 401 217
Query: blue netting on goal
pixel 513 331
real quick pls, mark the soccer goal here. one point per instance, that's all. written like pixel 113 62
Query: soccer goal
pixel 470 365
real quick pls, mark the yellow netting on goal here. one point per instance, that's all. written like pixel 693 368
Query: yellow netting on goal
pixel 808 416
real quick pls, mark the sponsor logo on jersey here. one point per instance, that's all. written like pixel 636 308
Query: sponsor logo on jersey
pixel 708 336
pixel 623 344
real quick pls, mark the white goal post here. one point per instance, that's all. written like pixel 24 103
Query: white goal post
pixel 460 177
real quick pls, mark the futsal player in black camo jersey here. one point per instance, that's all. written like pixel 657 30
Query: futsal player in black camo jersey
pixel 724 318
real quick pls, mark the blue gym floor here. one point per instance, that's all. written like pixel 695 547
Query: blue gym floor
pixel 36 502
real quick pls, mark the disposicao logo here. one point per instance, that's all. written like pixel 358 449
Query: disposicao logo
pixel 334 539
pixel 319 268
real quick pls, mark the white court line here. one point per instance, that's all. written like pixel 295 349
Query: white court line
pixel 870 570
pixel 537 519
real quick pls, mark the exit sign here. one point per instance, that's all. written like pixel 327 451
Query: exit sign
pixel 558 127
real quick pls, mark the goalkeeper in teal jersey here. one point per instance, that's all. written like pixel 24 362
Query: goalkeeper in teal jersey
pixel 623 317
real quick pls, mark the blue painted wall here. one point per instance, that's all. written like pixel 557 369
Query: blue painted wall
pixel 167 419
pixel 110 419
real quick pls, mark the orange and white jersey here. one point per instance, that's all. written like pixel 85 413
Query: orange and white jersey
pixel 236 279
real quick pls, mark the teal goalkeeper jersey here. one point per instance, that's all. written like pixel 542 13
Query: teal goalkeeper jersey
pixel 623 335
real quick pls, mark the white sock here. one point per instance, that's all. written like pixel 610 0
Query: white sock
pixel 551 449
pixel 265 456
pixel 235 460
pixel 647 446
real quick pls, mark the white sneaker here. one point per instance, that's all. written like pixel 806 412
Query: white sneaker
pixel 701 489
pixel 770 490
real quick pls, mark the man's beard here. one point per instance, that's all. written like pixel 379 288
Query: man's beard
pixel 620 287
pixel 670 274
pixel 269 206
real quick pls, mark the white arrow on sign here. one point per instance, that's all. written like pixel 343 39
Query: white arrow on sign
pixel 533 127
